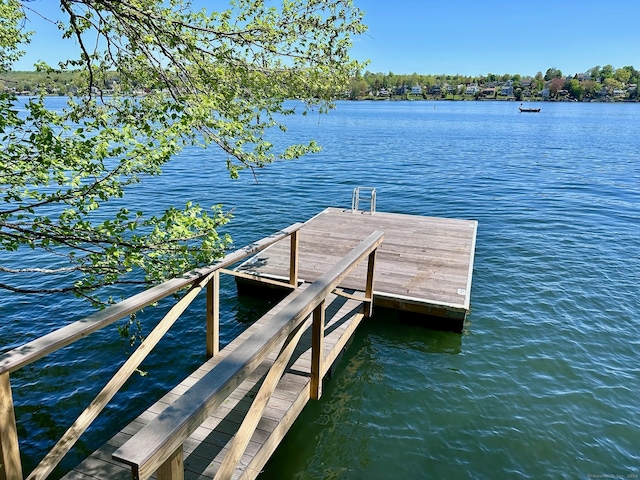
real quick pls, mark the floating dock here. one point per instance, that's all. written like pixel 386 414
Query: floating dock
pixel 424 266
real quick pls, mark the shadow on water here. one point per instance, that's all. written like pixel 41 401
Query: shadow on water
pixel 428 334
pixel 388 362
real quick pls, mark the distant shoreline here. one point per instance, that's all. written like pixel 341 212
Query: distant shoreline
pixel 421 99
pixel 510 100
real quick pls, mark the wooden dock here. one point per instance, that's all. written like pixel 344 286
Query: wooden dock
pixel 424 266
pixel 226 419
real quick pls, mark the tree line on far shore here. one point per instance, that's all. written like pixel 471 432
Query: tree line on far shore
pixel 51 82
pixel 594 83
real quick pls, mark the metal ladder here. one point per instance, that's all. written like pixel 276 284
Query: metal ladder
pixel 363 194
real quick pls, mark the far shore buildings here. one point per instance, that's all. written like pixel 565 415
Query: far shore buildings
pixel 555 89
pixel 472 89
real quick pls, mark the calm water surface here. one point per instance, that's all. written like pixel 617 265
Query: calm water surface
pixel 545 379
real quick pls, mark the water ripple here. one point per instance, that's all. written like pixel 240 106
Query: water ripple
pixel 543 382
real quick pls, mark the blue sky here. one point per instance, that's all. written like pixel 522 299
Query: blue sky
pixel 468 37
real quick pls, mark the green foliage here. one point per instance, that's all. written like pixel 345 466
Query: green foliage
pixel 64 83
pixel 369 85
pixel 11 34
pixel 552 73
pixel 575 89
pixel 606 72
pixel 518 94
pixel 175 77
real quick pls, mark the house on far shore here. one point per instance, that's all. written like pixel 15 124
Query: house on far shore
pixel 417 90
pixel 489 92
pixel 472 89
pixel 506 90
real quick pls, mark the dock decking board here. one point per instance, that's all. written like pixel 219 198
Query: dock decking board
pixel 424 263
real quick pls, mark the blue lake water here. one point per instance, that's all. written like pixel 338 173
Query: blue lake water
pixel 544 381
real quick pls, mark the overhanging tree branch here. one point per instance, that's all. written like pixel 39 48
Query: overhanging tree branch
pixel 182 77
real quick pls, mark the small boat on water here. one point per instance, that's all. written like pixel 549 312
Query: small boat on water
pixel 529 110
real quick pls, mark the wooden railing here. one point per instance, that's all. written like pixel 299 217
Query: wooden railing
pixel 195 281
pixel 159 445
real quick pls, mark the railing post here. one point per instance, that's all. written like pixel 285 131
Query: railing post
pixel 173 467
pixel 293 260
pixel 11 468
pixel 317 351
pixel 213 315
pixel 368 305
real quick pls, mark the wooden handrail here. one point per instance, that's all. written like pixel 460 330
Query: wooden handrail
pixel 71 436
pixel 19 357
pixel 42 346
pixel 249 424
pixel 163 437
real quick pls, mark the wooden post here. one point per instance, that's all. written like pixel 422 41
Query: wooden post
pixel 293 260
pixel 368 306
pixel 173 467
pixel 213 316
pixel 317 351
pixel 11 468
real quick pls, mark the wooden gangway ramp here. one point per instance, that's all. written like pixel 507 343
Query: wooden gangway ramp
pixel 226 419
pixel 208 444
pixel 424 265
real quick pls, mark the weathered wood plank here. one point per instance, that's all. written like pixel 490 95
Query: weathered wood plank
pixel 100 466
pixel 10 466
pixel 213 316
pixel 173 467
pixel 317 351
pixel 368 292
pixel 294 260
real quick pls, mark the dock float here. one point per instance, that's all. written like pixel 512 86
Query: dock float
pixel 226 419
pixel 424 266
